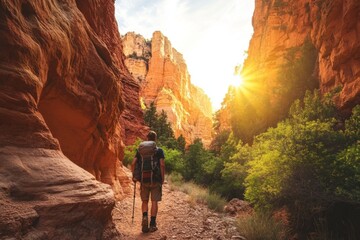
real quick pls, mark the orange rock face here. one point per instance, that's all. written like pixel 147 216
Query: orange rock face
pixel 64 95
pixel 296 46
pixel 167 83
pixel 332 26
pixel 104 24
pixel 336 34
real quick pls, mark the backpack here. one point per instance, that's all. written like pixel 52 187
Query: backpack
pixel 147 169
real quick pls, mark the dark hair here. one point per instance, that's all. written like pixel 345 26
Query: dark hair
pixel 151 136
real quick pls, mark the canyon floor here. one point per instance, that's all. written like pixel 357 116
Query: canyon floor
pixel 178 218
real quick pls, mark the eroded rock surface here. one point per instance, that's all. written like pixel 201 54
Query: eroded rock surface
pixel 62 97
pixel 45 196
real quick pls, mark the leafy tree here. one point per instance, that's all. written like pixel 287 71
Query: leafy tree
pixel 174 161
pixel 200 165
pixel 234 155
pixel 305 163
pixel 194 158
pixel 181 143
pixel 151 116
pixel 160 124
pixel 218 141
pixel 164 127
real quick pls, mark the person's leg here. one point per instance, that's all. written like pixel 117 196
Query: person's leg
pixel 154 208
pixel 144 193
pixel 144 206
pixel 156 194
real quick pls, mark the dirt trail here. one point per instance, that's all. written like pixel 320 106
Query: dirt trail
pixel 177 219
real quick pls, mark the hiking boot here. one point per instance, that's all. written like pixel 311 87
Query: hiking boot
pixel 144 225
pixel 153 228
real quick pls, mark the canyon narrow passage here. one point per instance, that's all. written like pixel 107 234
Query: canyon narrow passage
pixel 178 218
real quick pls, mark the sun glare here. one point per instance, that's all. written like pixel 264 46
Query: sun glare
pixel 194 27
pixel 237 80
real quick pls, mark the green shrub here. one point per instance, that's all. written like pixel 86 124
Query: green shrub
pixel 197 194
pixel 215 202
pixel 174 161
pixel 175 178
pixel 307 164
pixel 261 226
pixel 200 165
pixel 129 153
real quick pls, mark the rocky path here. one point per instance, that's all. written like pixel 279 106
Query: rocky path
pixel 177 219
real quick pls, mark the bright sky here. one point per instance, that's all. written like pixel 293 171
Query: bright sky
pixel 212 35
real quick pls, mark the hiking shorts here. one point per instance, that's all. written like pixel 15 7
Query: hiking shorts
pixel 155 190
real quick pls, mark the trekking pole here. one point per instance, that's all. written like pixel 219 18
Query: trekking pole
pixel 132 221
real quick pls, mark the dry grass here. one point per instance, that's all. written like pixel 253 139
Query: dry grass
pixel 196 193
pixel 261 226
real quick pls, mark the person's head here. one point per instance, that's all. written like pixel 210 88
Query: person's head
pixel 152 136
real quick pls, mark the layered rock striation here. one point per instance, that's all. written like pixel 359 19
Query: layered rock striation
pixel 104 24
pixel 167 83
pixel 64 94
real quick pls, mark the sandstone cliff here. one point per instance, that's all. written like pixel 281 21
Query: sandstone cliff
pixel 165 80
pixel 62 91
pixel 300 45
pixel 333 27
pixel 104 24
pixel 138 52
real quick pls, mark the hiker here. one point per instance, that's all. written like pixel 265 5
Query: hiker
pixel 148 167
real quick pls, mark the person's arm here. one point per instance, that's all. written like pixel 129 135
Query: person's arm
pixel 133 168
pixel 133 164
pixel 162 168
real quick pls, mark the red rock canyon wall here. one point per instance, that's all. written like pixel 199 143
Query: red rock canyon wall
pixel 64 95
pixel 332 26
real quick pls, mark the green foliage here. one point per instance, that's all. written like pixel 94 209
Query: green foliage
pixel 215 202
pixel 218 141
pixel 175 178
pixel 313 107
pixel 160 124
pixel 231 164
pixel 129 152
pixel 181 143
pixel 174 161
pixel 348 172
pixel 200 164
pixel 235 168
pixel 306 159
pixel 197 193
pixel 353 125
